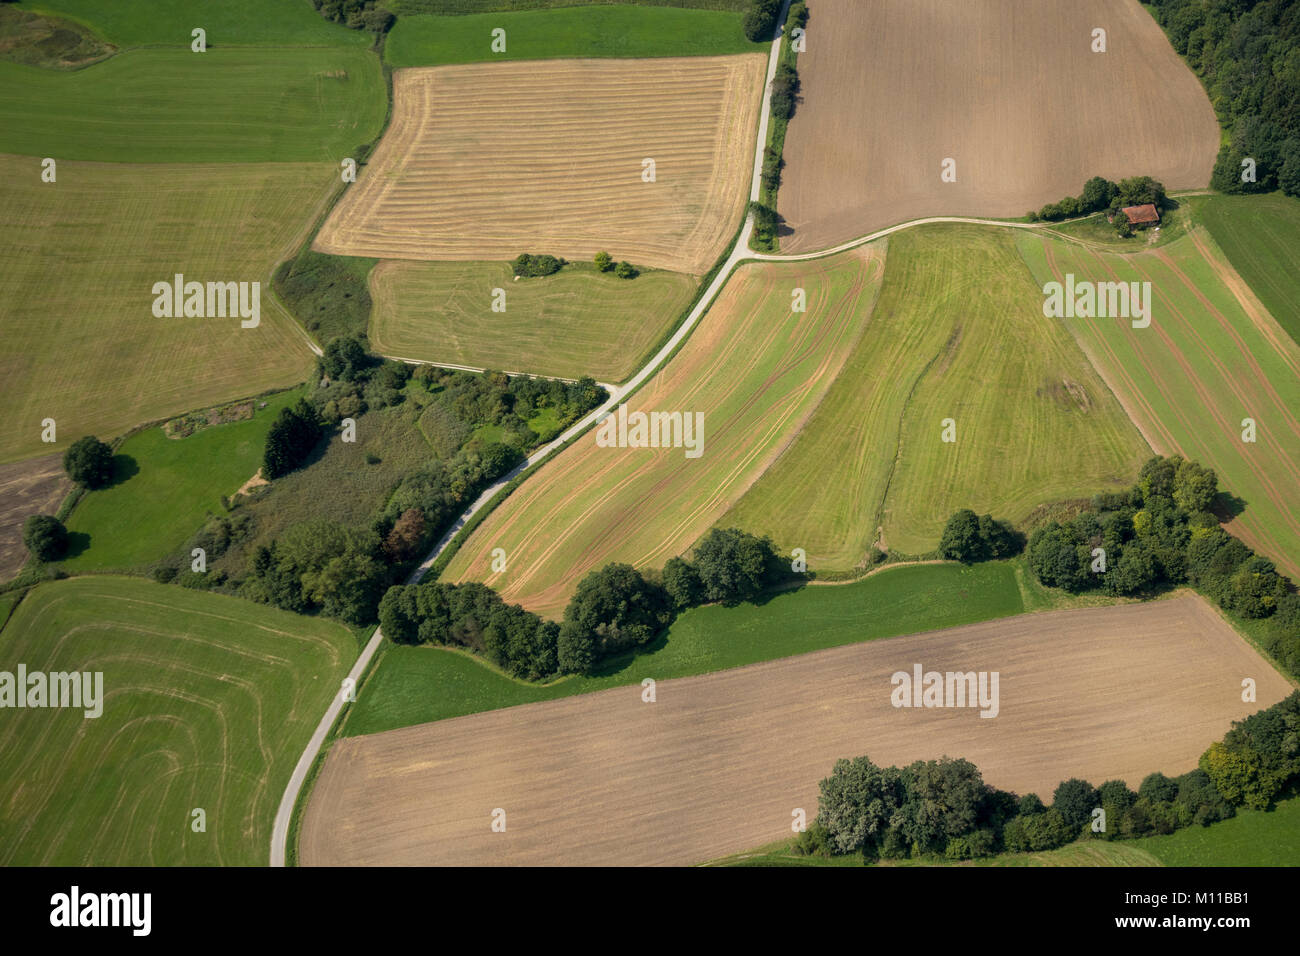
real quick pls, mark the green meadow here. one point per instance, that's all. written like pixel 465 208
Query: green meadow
pixel 229 105
pixel 413 685
pixel 1260 235
pixel 165 488
pixel 593 31
pixel 207 702
pixel 128 23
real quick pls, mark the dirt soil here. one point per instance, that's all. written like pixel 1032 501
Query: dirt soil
pixel 1009 90
pixel 36 486
pixel 719 762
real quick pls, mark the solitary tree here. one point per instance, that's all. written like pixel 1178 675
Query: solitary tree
pixel 45 537
pixel 89 462
pixel 604 262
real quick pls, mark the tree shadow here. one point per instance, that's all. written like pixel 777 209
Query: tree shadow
pixel 1227 506
pixel 78 544
pixel 124 469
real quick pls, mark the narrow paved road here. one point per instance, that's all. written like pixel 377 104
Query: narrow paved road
pixel 740 253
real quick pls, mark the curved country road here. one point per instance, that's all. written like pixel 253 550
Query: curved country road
pixel 740 253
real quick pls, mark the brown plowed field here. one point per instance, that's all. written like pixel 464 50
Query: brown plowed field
pixel 36 486
pixel 718 763
pixel 1010 90
pixel 485 161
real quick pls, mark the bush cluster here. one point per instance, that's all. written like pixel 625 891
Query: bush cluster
pixel 614 609
pixel 526 265
pixel 968 538
pixel 1160 533
pixel 943 808
pixel 1099 193
pixel 760 19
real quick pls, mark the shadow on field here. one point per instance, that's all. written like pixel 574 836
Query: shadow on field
pixel 1228 506
pixel 78 543
pixel 124 469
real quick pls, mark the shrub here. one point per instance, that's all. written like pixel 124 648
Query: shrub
pixel 759 21
pixel 603 261
pixel 89 462
pixel 290 440
pixel 1075 800
pixel 45 537
pixel 734 565
pixel 526 265
pixel 682 584
pixel 625 270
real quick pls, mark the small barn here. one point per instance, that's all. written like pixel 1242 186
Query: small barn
pixel 1141 216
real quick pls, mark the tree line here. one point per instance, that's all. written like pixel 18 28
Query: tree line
pixel 1162 533
pixel 943 808
pixel 613 610
pixel 1245 54
pixel 1100 193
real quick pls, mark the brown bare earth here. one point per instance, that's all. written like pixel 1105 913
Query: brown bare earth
pixel 33 487
pixel 485 161
pixel 720 761
pixel 1010 90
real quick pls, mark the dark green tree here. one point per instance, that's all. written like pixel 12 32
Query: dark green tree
pixel 89 462
pixel 45 537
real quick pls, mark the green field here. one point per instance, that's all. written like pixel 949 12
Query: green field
pixel 574 323
pixel 413 685
pixel 752 371
pixel 616 31
pixel 1251 838
pixel 958 333
pixel 82 345
pixel 209 700
pixel 488 6
pixel 170 106
pixel 1260 235
pixel 1190 379
pixel 173 484
pixel 129 23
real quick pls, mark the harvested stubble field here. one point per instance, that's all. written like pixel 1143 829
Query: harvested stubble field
pixel 574 323
pixel 486 161
pixel 1211 357
pixel 81 257
pixel 208 700
pixel 958 333
pixel 33 487
pixel 718 763
pixel 1010 90
pixel 754 369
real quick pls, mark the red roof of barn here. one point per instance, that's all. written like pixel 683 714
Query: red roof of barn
pixel 1140 214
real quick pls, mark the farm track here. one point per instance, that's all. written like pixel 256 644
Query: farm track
pixel 740 253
